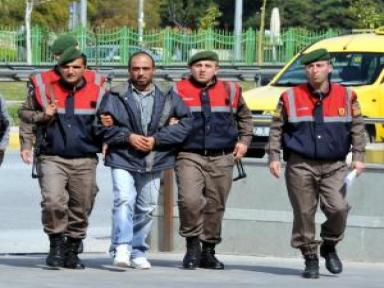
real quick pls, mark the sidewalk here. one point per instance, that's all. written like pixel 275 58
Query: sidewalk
pixel 18 271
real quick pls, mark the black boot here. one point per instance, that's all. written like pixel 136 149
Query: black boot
pixel 332 261
pixel 192 256
pixel 81 247
pixel 71 260
pixel 55 257
pixel 311 269
pixel 208 259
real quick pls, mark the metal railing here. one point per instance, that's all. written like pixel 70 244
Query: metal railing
pixel 168 46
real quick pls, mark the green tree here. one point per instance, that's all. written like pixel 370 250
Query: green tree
pixel 332 14
pixel 367 13
pixel 209 20
pixel 51 14
pixel 54 14
pixel 251 10
pixel 293 13
pixel 12 12
pixel 122 13
pixel 182 13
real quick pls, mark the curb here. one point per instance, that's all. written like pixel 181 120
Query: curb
pixel 14 142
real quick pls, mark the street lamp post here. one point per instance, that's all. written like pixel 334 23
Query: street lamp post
pixel 238 28
pixel 83 13
pixel 28 12
pixel 140 20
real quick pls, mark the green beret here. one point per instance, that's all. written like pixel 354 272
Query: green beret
pixel 315 55
pixel 69 55
pixel 203 55
pixel 62 43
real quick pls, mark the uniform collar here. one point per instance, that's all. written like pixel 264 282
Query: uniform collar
pixel 317 93
pixel 203 85
pixel 72 87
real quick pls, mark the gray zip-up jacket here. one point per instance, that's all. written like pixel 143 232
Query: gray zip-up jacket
pixel 4 125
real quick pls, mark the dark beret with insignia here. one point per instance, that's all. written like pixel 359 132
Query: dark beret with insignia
pixel 62 43
pixel 203 55
pixel 315 55
pixel 69 55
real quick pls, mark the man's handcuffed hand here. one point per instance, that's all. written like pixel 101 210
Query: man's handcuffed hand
pixel 141 142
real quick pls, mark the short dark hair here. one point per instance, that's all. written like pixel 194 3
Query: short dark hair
pixel 141 52
pixel 84 59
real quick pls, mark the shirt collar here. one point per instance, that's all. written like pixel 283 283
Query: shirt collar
pixel 148 92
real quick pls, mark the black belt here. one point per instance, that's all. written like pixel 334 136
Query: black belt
pixel 210 152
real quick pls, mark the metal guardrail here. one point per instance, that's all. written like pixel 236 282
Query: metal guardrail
pixel 167 73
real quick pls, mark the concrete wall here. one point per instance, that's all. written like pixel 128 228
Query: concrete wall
pixel 258 218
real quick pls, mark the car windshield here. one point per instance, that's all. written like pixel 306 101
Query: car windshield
pixel 350 69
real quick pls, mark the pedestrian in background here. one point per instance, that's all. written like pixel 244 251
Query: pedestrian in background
pixel 317 124
pixel 4 128
pixel 141 144
pixel 221 134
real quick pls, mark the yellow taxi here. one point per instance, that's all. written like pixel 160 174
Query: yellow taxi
pixel 358 62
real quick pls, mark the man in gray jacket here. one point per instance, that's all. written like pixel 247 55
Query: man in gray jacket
pixel 4 128
pixel 141 144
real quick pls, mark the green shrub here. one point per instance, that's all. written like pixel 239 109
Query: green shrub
pixel 7 54
pixel 13 111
